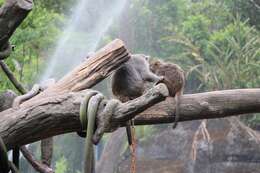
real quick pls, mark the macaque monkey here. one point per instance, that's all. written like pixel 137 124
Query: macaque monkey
pixel 128 82
pixel 174 79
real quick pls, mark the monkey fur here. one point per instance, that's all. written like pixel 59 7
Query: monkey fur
pixel 174 79
pixel 128 82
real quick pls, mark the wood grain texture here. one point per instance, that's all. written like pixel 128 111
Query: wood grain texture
pixel 59 114
pixel 94 69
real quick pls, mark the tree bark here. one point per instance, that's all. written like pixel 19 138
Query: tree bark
pixel 94 69
pixel 60 113
pixel 6 100
pixel 12 13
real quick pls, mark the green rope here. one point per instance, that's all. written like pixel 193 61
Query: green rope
pixel 88 110
pixel 83 109
pixel 91 115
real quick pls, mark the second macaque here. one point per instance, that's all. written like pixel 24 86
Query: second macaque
pixel 174 79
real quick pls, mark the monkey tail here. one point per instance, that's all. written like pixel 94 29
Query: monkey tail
pixel 177 109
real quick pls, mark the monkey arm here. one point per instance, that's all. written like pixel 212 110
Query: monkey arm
pixel 151 77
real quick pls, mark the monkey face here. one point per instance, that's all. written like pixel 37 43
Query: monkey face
pixel 155 65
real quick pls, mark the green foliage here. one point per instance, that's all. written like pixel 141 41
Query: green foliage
pixel 196 28
pixel 58 6
pixel 248 9
pixel 233 58
pixel 33 39
pixel 61 165
pixel 71 148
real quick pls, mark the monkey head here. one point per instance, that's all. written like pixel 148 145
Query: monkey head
pixel 155 65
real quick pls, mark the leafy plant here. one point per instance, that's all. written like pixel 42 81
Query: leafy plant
pixel 61 165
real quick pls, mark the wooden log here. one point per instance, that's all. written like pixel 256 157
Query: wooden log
pixel 12 13
pixel 84 76
pixel 208 105
pixel 94 69
pixel 60 114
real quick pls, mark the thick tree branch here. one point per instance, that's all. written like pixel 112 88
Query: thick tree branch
pixel 39 167
pixel 6 100
pixel 59 114
pixel 208 105
pixel 12 13
pixel 94 69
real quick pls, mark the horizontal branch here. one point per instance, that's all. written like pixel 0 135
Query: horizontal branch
pixel 208 105
pixel 58 114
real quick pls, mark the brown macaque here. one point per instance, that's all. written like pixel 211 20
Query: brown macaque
pixel 128 82
pixel 174 79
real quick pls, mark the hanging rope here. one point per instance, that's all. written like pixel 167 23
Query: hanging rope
pixel 133 149
pixel 94 125
pixel 92 111
pixel 83 113
pixel 88 110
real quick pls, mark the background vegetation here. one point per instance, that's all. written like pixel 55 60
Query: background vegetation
pixel 217 42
